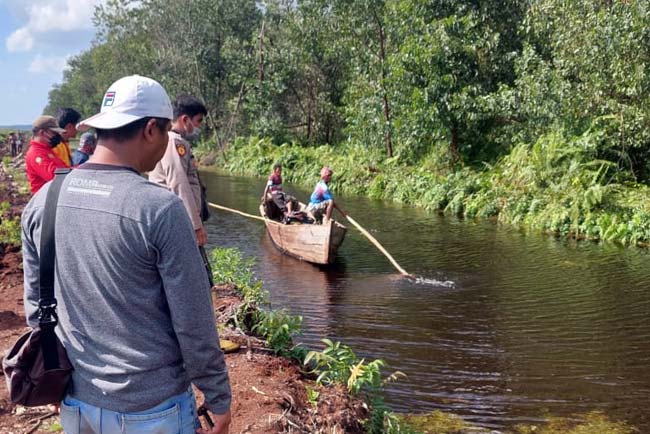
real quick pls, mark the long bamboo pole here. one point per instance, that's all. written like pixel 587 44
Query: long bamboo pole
pixel 379 246
pixel 214 205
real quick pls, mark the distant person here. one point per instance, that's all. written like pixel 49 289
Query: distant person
pixel 177 170
pixel 321 202
pixel 67 119
pixel 13 144
pixel 19 143
pixel 284 202
pixel 40 161
pixel 137 320
pixel 87 144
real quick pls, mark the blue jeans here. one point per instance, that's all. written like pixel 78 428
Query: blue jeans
pixel 176 415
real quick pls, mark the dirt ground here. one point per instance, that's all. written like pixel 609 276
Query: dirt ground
pixel 269 392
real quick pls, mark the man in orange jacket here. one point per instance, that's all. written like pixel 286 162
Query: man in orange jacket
pixel 67 119
pixel 40 161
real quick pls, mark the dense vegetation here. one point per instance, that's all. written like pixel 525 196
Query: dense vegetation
pixel 9 217
pixel 532 111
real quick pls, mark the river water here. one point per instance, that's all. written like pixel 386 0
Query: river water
pixel 510 328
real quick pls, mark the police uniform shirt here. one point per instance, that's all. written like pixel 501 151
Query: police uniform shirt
pixel 177 171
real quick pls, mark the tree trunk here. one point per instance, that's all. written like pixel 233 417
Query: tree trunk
pixel 260 49
pixel 453 146
pixel 311 103
pixel 387 135
pixel 221 141
pixel 388 141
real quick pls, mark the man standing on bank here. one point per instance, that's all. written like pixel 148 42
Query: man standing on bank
pixel 40 160
pixel 67 119
pixel 136 321
pixel 13 144
pixel 177 170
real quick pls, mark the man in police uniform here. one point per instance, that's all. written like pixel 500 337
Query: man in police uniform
pixel 40 160
pixel 177 170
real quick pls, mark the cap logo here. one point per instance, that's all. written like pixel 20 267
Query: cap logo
pixel 109 98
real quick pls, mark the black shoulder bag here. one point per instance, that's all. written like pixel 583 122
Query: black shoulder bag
pixel 37 368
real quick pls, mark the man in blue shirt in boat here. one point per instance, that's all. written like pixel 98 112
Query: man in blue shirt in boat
pixel 321 202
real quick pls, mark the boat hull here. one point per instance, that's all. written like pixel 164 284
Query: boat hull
pixel 308 242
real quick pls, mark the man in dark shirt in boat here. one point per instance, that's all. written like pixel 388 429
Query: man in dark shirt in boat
pixel 284 202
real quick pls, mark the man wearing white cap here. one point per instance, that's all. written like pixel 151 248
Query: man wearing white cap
pixel 136 321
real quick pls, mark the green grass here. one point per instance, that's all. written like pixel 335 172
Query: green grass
pixel 254 315
pixel 436 422
pixel 10 230
pixel 590 423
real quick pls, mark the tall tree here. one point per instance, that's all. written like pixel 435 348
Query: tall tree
pixel 452 57
pixel 584 67
pixel 363 36
pixel 296 92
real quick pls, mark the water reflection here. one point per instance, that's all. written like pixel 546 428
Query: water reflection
pixel 531 326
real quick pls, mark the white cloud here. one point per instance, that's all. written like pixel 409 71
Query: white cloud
pixel 20 40
pixel 45 17
pixel 52 65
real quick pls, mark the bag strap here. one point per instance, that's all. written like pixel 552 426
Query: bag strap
pixel 47 302
pixel 47 317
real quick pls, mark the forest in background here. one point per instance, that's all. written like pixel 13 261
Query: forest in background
pixel 534 112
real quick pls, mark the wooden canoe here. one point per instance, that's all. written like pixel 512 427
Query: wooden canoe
pixel 308 242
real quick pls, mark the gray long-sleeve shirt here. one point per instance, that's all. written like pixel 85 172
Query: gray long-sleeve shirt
pixel 135 310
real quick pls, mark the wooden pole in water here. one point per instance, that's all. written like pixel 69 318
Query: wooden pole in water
pixel 214 205
pixel 379 246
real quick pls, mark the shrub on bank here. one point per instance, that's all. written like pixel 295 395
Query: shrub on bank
pixel 337 363
pixel 9 227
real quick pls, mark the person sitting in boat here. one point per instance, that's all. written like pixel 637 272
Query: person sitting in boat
pixel 321 202
pixel 285 203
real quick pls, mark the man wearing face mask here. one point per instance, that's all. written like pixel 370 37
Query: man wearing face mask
pixel 177 170
pixel 40 160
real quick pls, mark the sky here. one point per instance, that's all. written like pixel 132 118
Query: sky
pixel 36 38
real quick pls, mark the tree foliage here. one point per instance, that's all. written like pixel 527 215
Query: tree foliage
pixel 583 67
pixel 439 83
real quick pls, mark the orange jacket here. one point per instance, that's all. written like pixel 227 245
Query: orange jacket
pixel 62 150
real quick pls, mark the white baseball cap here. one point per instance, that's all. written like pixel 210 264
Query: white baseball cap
pixel 127 100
